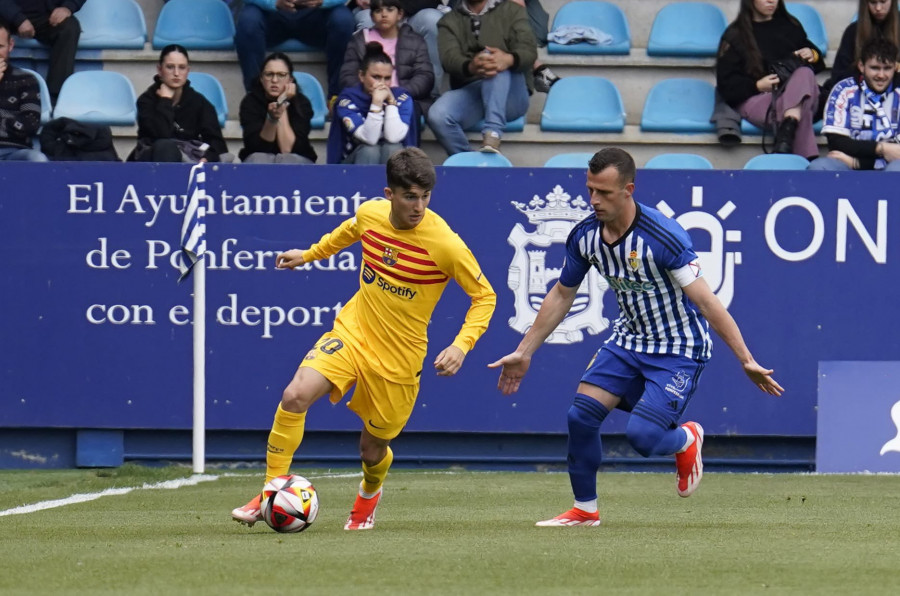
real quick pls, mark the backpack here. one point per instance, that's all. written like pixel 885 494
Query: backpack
pixel 64 139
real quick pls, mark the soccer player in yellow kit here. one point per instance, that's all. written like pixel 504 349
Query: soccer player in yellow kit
pixel 379 338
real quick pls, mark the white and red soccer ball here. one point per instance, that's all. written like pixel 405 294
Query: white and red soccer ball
pixel 289 503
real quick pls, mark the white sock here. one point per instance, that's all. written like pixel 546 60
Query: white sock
pixel 587 506
pixel 688 443
pixel 366 495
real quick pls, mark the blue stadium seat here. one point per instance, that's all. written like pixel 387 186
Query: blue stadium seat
pixel 111 24
pixel 777 161
pixel 294 45
pixel 569 160
pixel 210 87
pixel 195 24
pixel 583 104
pixel 748 128
pixel 46 107
pixel 604 16
pixel 679 161
pixel 679 105
pixel 687 29
pixel 312 89
pixel 97 97
pixel 812 23
pixel 517 125
pixel 477 159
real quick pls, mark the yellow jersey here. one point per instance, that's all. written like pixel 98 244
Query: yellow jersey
pixel 402 276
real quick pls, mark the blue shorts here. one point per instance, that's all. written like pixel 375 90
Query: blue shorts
pixel 656 386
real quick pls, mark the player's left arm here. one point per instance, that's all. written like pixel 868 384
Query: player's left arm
pixel 725 326
pixel 463 267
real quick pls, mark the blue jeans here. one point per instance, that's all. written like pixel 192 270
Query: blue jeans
pixel 424 23
pixel 830 164
pixel 21 154
pixel 497 100
pixel 372 154
pixel 258 29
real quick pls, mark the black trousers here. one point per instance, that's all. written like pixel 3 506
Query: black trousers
pixel 63 41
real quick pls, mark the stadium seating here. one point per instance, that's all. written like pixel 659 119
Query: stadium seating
pixel 569 160
pixel 517 125
pixel 111 24
pixel 777 161
pixel 293 45
pixel 583 104
pixel 210 87
pixel 812 23
pixel 679 161
pixel 46 106
pixel 195 24
pixel 604 16
pixel 686 29
pixel 97 97
pixel 478 159
pixel 312 89
pixel 679 105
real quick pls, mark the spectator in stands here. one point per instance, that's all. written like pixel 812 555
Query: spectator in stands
pixel 372 120
pixel 862 116
pixel 876 19
pixel 422 16
pixel 405 48
pixel 275 117
pixel 765 38
pixel 488 49
pixel 20 106
pixel 51 23
pixel 176 123
pixel 264 23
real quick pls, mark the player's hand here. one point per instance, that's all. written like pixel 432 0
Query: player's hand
pixel 59 15
pixel 26 29
pixel 762 378
pixel 515 366
pixel 449 361
pixel 289 259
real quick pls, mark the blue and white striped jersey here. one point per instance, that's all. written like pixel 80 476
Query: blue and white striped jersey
pixel 647 268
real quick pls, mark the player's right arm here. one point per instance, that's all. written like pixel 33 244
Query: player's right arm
pixel 554 309
pixel 331 243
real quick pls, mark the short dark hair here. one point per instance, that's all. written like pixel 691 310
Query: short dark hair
pixel 881 49
pixel 173 47
pixel 5 25
pixel 383 3
pixel 614 157
pixel 410 167
pixel 279 56
pixel 374 54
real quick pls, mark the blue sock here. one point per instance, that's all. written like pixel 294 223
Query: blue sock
pixel 585 417
pixel 651 438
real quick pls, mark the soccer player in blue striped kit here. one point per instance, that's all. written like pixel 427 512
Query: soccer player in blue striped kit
pixel 660 342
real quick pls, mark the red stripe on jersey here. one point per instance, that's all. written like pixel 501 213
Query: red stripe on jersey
pixel 413 270
pixel 389 273
pixel 383 238
pixel 379 247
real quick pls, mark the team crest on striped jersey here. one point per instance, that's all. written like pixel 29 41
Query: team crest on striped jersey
pixel 390 256
pixel 537 264
pixel 633 261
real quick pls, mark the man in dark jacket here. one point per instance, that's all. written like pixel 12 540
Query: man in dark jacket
pixel 488 49
pixel 20 106
pixel 51 23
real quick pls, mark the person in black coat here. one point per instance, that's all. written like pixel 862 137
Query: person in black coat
pixel 176 123
pixel 275 117
pixel 51 23
pixel 877 19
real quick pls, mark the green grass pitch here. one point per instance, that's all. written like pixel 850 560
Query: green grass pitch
pixel 456 532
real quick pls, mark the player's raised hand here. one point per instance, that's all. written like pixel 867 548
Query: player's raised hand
pixel 762 378
pixel 449 361
pixel 515 366
pixel 289 259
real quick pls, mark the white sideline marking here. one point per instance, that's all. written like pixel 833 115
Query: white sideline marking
pixel 84 497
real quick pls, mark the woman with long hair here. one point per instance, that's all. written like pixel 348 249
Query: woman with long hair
pixel 176 123
pixel 276 116
pixel 762 40
pixel 876 19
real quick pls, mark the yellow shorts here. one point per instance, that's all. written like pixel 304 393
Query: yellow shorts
pixel 383 406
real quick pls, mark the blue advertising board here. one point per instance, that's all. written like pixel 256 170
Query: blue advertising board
pixel 96 333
